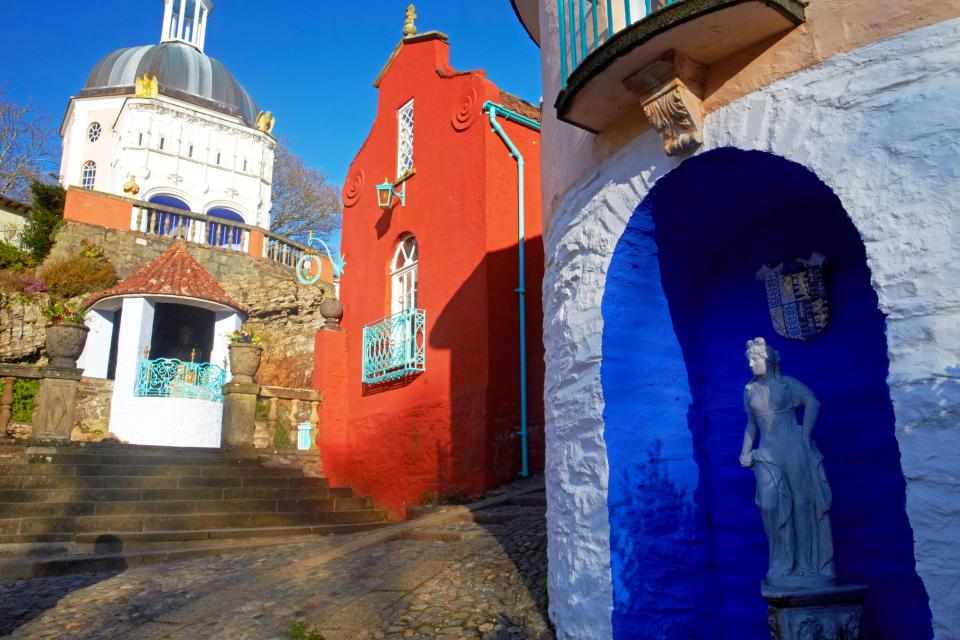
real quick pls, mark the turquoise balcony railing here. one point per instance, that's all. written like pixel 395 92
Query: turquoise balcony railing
pixel 394 346
pixel 586 24
pixel 172 378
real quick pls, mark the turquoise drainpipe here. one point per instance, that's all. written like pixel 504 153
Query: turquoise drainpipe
pixel 493 110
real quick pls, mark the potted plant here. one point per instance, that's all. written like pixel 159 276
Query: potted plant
pixel 245 351
pixel 66 333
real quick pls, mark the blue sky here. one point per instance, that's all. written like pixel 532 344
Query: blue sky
pixel 311 62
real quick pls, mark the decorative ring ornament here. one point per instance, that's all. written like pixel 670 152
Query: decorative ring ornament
pixel 303 273
pixel 352 188
pixel 467 110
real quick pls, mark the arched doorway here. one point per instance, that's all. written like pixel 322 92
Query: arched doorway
pixel 682 297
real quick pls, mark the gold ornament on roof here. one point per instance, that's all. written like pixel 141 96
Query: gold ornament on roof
pixel 410 29
pixel 147 87
pixel 131 186
pixel 265 122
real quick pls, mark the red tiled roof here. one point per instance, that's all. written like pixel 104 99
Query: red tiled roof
pixel 519 105
pixel 173 273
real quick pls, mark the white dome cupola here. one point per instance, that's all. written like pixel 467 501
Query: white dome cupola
pixel 186 21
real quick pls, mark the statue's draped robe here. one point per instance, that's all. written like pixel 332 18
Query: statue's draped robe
pixel 792 490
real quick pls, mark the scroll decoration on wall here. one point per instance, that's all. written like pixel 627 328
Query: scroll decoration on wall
pixel 797 296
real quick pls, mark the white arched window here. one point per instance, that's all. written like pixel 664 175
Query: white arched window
pixel 403 275
pixel 88 174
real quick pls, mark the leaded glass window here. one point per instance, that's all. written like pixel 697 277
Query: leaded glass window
pixel 93 132
pixel 88 174
pixel 404 275
pixel 405 139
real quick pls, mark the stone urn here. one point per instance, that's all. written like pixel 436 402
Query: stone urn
pixel 244 361
pixel 332 311
pixel 65 342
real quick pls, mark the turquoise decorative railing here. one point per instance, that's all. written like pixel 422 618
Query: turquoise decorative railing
pixel 394 346
pixel 172 378
pixel 586 24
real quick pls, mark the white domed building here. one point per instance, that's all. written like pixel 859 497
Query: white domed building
pixel 171 125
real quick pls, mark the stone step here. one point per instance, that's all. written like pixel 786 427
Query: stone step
pixel 204 471
pixel 268 479
pixel 130 550
pixel 189 493
pixel 214 460
pixel 10 528
pixel 173 507
pixel 530 500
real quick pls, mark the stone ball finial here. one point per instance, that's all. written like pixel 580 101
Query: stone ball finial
pixel 409 28
pixel 332 311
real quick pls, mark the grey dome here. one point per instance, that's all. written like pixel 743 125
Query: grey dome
pixel 182 71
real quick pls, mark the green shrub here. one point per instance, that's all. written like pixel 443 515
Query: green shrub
pixel 281 438
pixel 78 275
pixel 24 399
pixel 299 630
pixel 13 257
pixel 45 220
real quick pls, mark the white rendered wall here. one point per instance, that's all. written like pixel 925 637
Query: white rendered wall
pixel 187 166
pixel 168 422
pixel 96 352
pixel 874 124
pixel 77 148
pixel 226 322
pixel 136 330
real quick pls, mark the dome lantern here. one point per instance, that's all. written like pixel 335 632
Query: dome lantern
pixel 186 21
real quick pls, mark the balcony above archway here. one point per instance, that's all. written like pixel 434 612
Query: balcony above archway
pixel 604 46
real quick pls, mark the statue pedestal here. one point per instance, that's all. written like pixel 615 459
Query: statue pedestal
pixel 827 613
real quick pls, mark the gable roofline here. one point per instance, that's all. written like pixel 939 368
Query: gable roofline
pixel 420 37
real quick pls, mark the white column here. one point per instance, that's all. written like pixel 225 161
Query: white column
pixel 180 25
pixel 136 329
pixel 195 27
pixel 225 323
pixel 203 29
pixel 167 16
pixel 96 352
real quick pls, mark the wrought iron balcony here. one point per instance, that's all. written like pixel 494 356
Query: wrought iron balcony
pixel 394 346
pixel 172 378
pixel 603 43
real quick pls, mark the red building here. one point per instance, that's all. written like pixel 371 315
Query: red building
pixel 422 383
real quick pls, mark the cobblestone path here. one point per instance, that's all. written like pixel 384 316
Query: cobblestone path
pixel 483 579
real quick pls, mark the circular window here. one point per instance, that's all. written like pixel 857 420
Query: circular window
pixel 93 132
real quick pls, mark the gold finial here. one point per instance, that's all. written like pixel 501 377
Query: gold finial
pixel 265 122
pixel 131 186
pixel 147 86
pixel 410 29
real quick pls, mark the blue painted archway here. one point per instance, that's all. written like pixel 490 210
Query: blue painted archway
pixel 167 222
pixel 688 551
pixel 220 235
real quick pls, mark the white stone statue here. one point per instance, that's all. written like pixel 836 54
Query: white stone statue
pixel 792 490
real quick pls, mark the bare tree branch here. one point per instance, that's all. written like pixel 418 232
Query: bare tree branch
pixel 28 147
pixel 303 199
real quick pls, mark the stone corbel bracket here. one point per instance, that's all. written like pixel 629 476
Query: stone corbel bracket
pixel 670 90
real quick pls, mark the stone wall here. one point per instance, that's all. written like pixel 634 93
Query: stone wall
pixel 282 310
pixel 91 418
pixel 868 123
pixel 22 332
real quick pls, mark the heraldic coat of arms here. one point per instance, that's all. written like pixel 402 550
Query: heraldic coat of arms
pixel 797 297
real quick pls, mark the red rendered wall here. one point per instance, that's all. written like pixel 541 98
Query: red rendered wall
pixel 449 428
pixel 98 209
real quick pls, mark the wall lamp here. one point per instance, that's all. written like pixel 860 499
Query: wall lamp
pixel 386 191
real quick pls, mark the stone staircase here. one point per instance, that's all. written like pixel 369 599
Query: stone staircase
pixel 111 499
